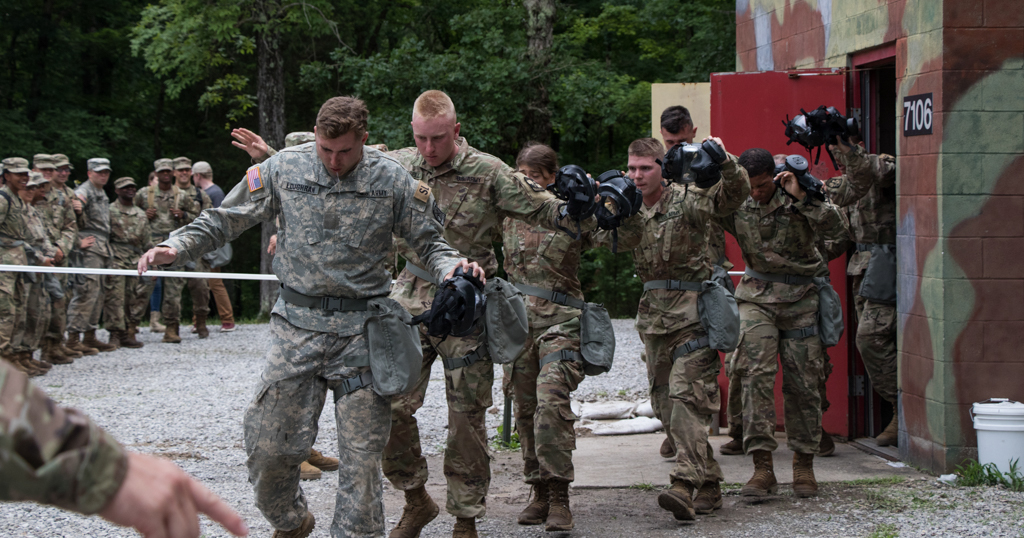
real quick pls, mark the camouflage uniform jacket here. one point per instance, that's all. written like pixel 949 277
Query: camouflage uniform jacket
pixel 129 234
pixel 95 217
pixel 12 228
pixel 53 455
pixel 544 259
pixel 867 194
pixel 200 200
pixel 474 193
pixel 335 233
pixel 36 235
pixel 60 217
pixel 165 222
pixel 783 237
pixel 672 244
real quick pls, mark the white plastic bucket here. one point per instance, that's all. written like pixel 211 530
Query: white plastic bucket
pixel 1000 426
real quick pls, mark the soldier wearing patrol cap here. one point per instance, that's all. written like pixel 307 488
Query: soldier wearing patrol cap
pixel 94 252
pixel 198 287
pixel 128 296
pixel 167 208
pixel 12 252
pixel 61 208
pixel 339 204
pixel 40 252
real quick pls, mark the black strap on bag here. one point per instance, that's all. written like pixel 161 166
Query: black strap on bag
pixel 561 355
pixel 465 360
pixel 353 384
pixel 690 347
pixel 799 334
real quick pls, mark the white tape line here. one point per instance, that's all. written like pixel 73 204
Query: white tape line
pixel 132 272
pixel 735 273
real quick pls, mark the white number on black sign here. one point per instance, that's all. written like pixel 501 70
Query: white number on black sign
pixel 917 114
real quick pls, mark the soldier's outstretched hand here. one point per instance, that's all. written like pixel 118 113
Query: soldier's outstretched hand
pixel 159 500
pixel 468 267
pixel 157 256
pixel 249 141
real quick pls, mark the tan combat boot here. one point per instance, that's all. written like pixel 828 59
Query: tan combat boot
pixel 890 435
pixel 708 498
pixel 559 515
pixel 827 446
pixel 763 482
pixel 465 527
pixel 318 460
pixel 41 366
pixel 52 353
pixel 89 339
pixel 668 448
pixel 128 337
pixel 304 530
pixel 200 326
pixel 66 351
pixel 537 511
pixel 75 345
pixel 804 484
pixel 419 510
pixel 19 364
pixel 171 334
pixel 308 472
pixel 732 448
pixel 154 322
pixel 677 500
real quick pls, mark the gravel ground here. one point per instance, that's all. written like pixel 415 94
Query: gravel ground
pixel 186 402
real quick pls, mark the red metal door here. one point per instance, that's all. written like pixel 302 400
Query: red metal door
pixel 747 111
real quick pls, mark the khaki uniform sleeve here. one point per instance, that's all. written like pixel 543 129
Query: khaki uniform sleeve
pixel 732 190
pixel 68 230
pixel 630 233
pixel 53 455
pixel 850 187
pixel 416 224
pixel 828 222
pixel 523 199
pixel 270 153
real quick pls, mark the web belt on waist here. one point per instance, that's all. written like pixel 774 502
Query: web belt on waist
pixel 334 304
pixel 466 360
pixel 7 241
pixel 679 285
pixel 781 279
pixel 419 272
pixel 95 233
pixel 353 384
pixel 553 296
pixel 561 355
pixel 690 347
pixel 866 247
pixel 799 333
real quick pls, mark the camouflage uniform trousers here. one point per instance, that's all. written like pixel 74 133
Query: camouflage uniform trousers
pixel 734 409
pixel 281 423
pixel 544 419
pixel 876 341
pixel 695 399
pixel 59 307
pixel 87 300
pixel 13 301
pixel 659 371
pixel 125 298
pixel 170 308
pixel 37 316
pixel 756 366
pixel 467 463
pixel 200 289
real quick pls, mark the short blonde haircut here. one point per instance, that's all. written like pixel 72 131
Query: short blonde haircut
pixel 647 147
pixel 432 104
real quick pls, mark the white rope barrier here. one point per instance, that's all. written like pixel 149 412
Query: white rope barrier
pixel 133 272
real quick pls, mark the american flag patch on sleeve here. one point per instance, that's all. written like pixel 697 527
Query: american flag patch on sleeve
pixel 254 178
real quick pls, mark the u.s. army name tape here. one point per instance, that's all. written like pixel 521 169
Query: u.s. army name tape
pixel 133 272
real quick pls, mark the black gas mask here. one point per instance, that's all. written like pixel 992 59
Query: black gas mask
pixel 578 191
pixel 620 199
pixel 821 127
pixel 458 303
pixel 701 164
pixel 798 166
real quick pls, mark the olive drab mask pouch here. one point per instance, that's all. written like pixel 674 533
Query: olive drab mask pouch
pixel 879 284
pixel 597 339
pixel 505 320
pixel 395 353
pixel 830 313
pixel 719 315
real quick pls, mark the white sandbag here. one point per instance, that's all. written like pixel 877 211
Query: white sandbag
pixel 628 426
pixel 608 410
pixel 575 406
pixel 644 409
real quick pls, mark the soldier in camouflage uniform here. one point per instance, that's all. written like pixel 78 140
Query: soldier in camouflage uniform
pixel 13 288
pixel 339 205
pixel 168 208
pixel 94 252
pixel 867 193
pixel 58 456
pixel 778 303
pixel 671 254
pixel 198 287
pixel 475 192
pixel 129 238
pixel 40 252
pixel 59 214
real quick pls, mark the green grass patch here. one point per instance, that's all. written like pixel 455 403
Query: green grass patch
pixel 498 443
pixel 973 474
pixel 644 486
pixel 883 481
pixel 885 530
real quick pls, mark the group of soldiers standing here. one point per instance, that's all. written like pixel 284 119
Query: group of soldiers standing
pixel 47 223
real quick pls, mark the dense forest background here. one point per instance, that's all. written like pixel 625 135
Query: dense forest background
pixel 134 81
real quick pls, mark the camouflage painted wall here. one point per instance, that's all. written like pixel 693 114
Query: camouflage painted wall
pixel 961 191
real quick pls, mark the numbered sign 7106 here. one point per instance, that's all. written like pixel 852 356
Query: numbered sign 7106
pixel 917 114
